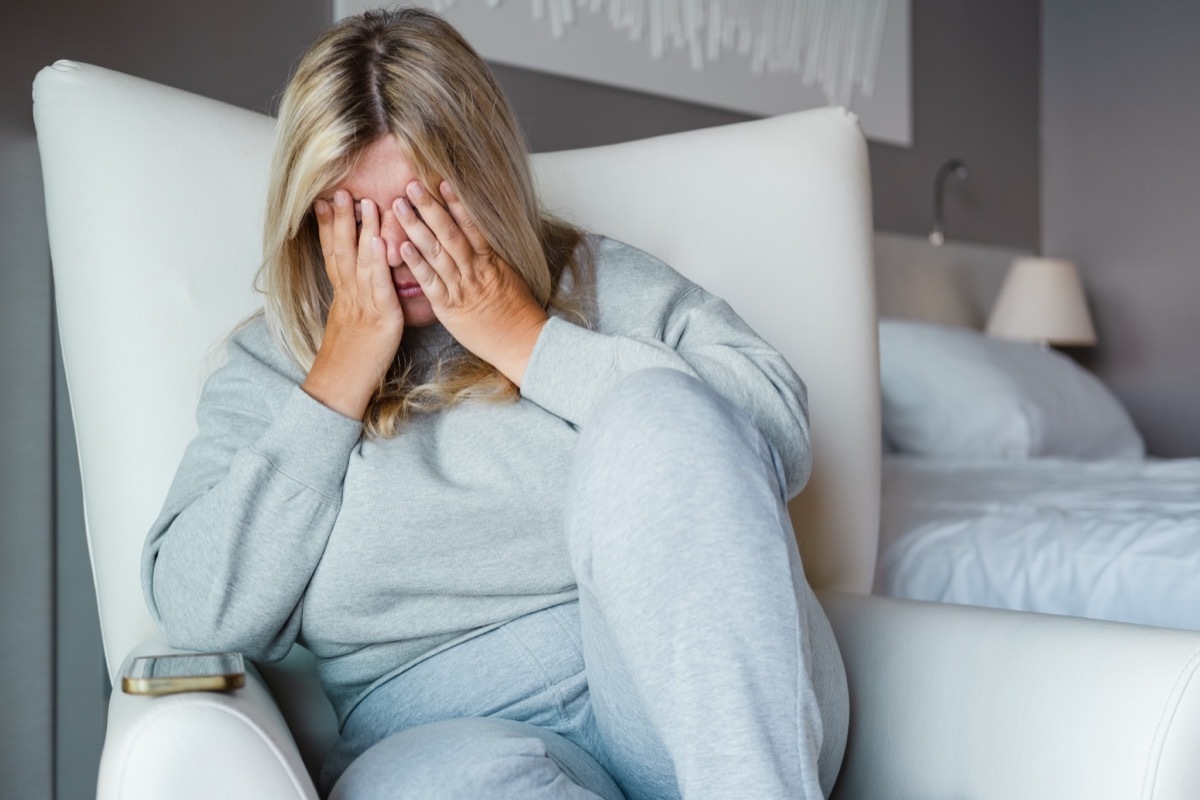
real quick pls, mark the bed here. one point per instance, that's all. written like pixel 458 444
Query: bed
pixel 1013 478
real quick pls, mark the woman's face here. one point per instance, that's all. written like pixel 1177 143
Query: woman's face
pixel 381 174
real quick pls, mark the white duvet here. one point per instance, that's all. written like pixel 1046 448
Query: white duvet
pixel 1116 540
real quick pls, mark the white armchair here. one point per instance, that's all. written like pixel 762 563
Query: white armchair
pixel 155 200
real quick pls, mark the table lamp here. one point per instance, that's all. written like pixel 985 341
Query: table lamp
pixel 1042 301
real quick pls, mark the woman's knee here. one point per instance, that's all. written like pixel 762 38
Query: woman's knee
pixel 652 408
pixel 661 441
pixel 656 425
pixel 472 758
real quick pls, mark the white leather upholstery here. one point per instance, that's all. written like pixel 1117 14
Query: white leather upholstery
pixel 152 265
pixel 154 198
pixel 959 702
pixel 237 745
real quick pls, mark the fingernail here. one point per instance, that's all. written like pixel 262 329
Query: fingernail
pixel 407 250
pixel 377 244
pixel 321 207
pixel 339 197
pixel 402 207
pixel 415 189
pixel 447 190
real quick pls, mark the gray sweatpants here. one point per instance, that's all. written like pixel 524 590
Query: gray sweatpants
pixel 697 663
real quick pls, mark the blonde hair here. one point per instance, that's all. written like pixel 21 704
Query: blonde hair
pixel 409 74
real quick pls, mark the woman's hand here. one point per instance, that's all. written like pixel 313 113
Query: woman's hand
pixel 479 298
pixel 365 323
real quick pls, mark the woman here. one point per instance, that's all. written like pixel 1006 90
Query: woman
pixel 521 490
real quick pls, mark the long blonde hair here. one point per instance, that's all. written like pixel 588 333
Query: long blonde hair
pixel 406 73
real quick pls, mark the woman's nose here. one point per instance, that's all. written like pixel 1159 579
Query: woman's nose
pixel 393 236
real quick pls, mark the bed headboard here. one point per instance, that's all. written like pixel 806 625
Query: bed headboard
pixel 954 284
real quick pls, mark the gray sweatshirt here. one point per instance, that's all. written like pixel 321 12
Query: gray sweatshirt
pixel 285 525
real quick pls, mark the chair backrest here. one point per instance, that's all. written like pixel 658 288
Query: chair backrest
pixel 155 200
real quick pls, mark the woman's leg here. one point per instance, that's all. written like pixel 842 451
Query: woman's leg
pixel 474 759
pixel 713 669
pixel 493 716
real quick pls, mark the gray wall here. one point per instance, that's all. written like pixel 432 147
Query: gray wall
pixel 1121 195
pixel 975 96
pixel 51 668
pixel 976 85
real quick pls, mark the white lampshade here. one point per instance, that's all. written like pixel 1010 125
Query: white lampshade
pixel 1042 301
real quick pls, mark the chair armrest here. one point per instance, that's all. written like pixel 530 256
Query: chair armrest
pixel 198 745
pixel 959 701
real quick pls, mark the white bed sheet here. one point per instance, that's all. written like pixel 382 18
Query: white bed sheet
pixel 1105 539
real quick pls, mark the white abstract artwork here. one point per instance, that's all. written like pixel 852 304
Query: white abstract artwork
pixel 760 57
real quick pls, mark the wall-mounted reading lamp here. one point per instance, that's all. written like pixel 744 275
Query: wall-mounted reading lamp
pixel 957 168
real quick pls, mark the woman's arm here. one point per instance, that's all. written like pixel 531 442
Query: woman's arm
pixel 226 563
pixel 479 298
pixel 364 322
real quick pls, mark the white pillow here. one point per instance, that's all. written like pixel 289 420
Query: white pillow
pixel 953 392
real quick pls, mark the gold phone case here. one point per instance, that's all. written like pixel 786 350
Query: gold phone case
pixel 184 672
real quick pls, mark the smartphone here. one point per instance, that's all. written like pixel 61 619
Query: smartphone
pixel 184 672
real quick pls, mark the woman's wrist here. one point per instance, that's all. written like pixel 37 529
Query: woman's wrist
pixel 335 395
pixel 344 376
pixel 511 355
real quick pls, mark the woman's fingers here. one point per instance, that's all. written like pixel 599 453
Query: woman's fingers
pixel 345 237
pixel 355 253
pixel 433 284
pixel 366 257
pixel 429 261
pixel 479 243
pixel 338 234
pixel 374 274
pixel 434 232
pixel 370 219
pixel 324 212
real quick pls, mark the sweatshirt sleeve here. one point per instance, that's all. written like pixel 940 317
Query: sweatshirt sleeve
pixel 226 563
pixel 650 316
